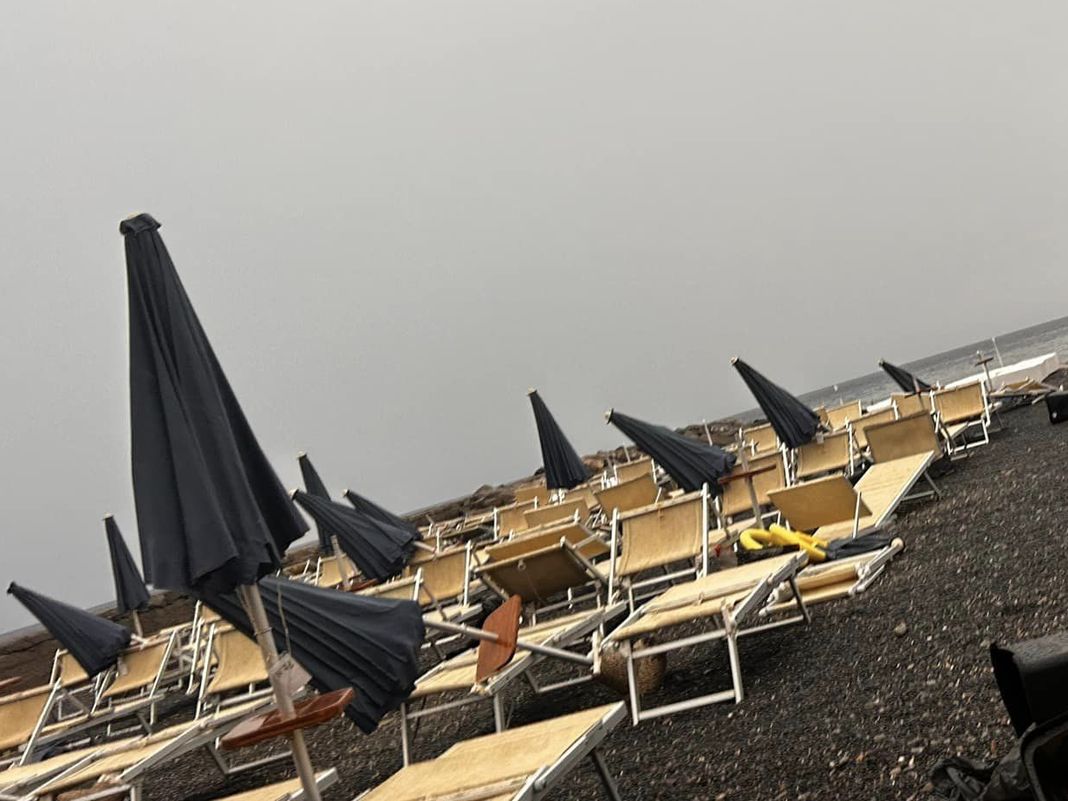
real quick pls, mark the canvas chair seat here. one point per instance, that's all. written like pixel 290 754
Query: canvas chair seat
pixel 503 766
pixel 71 673
pixel 863 423
pixel 908 436
pixel 20 713
pixel 511 518
pixel 330 571
pixel 140 668
pixel 960 404
pixel 444 574
pixel 831 454
pixel 735 499
pixel 627 495
pixel 662 534
pixel 762 439
pixel 910 404
pixel 402 589
pixel 838 417
pixel 239 663
pixel 627 471
pixel 554 513
pixel 538 573
pixel 529 493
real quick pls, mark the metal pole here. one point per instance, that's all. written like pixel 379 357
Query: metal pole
pixel 136 620
pixel 250 596
pixel 347 574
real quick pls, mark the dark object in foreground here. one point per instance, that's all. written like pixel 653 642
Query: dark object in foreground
pixel 342 640
pixel 93 641
pixel 1033 679
pixel 563 467
pixel 1044 749
pixel 1057 406
pixel 313 711
pixel 691 463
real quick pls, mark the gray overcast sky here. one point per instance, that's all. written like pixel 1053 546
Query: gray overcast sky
pixel 394 217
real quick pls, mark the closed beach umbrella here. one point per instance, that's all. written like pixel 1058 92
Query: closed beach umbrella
pixel 342 640
pixel 93 641
pixel 211 513
pixel 563 467
pixel 379 549
pixel 792 420
pixel 131 594
pixel 368 507
pixel 691 463
pixel 315 486
pixel 904 379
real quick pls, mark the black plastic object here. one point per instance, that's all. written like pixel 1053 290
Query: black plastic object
pixel 1033 679
pixel 1057 406
pixel 1044 749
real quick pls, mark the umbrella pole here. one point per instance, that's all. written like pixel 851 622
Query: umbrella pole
pixel 347 575
pixel 250 595
pixel 136 619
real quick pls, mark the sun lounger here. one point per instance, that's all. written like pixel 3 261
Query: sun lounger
pixel 330 572
pixel 511 518
pixel 17 780
pixel 22 715
pixel 912 403
pixel 455 682
pixel 830 508
pixel 234 663
pixel 905 437
pixel 760 439
pixel 529 493
pixel 960 409
pixel 841 578
pixel 861 425
pixel 831 453
pixel 626 471
pixel 840 416
pixel 734 598
pixel 658 536
pixel 735 500
pixel 543 564
pixel 132 760
pixel 522 764
pixel 556 512
pixel 627 495
pixel 585 493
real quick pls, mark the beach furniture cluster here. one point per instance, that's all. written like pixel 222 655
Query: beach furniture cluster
pixel 585 573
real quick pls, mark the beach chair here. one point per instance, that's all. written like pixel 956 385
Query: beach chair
pixel 760 439
pixel 556 512
pixel 735 502
pixel 128 764
pixel 522 764
pixel 831 453
pixel 655 537
pixel 911 403
pixel 510 519
pixel 541 565
pixel 734 601
pixel 330 572
pixel 830 508
pixel 138 678
pixel 23 715
pixel 627 495
pixel 908 436
pixel 861 425
pixel 626 471
pixel 529 493
pixel 17 780
pixel 232 662
pixel 838 417
pixel 585 493
pixel 840 578
pixel 960 409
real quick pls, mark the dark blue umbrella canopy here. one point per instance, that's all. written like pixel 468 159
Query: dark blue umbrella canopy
pixel 379 549
pixel 131 594
pixel 314 485
pixel 690 462
pixel 904 379
pixel 93 641
pixel 792 420
pixel 342 640
pixel 368 507
pixel 211 512
pixel 563 467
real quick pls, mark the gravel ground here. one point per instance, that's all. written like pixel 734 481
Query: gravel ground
pixel 859 705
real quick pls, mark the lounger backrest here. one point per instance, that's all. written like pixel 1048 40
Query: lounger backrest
pixel 839 416
pixel 543 538
pixel 960 403
pixel 628 495
pixel 864 422
pixel 816 503
pixel 667 532
pixel 238 662
pixel 19 714
pixel 762 438
pixel 735 498
pixel 444 573
pixel 402 589
pixel 525 494
pixel 557 511
pixel 635 469
pixel 904 437
pixel 139 668
pixel 831 454
pixel 330 573
pixel 71 673
pixel 510 518
pixel 908 405
pixel 583 492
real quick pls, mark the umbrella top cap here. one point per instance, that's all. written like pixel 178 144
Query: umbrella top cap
pixel 608 415
pixel 531 391
pixel 138 224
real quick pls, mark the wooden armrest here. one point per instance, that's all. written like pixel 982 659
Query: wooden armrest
pixel 267 725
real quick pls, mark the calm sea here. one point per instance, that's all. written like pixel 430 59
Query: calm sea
pixel 947 366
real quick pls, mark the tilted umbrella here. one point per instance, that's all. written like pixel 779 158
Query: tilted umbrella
pixel 315 486
pixel 792 420
pixel 342 640
pixel 904 379
pixel 690 462
pixel 563 467
pixel 93 641
pixel 212 515
pixel 379 549
pixel 131 594
pixel 368 507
